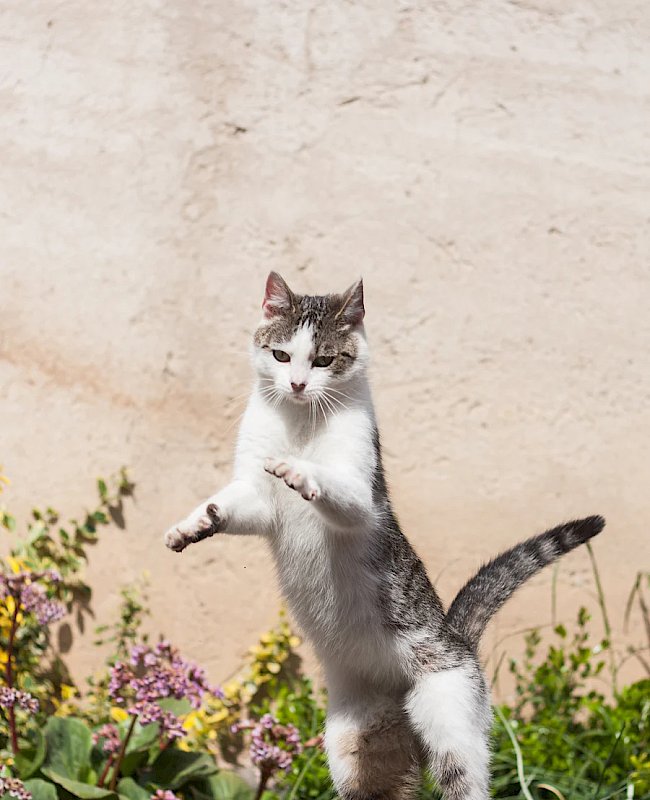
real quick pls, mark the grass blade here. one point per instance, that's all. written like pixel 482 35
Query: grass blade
pixel 521 775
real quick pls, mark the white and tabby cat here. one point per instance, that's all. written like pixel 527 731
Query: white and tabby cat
pixel 405 686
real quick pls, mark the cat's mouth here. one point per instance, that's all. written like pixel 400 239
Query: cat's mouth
pixel 300 397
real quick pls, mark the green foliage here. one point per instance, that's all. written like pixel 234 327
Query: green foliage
pixel 571 732
pixel 570 735
pixel 70 758
pixel 69 744
pixel 125 632
pixel 297 703
pixel 47 544
pixel 62 757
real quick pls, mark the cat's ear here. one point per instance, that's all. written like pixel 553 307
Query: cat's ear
pixel 352 311
pixel 278 297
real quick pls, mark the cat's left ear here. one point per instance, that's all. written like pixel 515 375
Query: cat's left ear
pixel 278 297
pixel 352 310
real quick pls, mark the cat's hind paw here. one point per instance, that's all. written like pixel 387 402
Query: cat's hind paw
pixel 295 474
pixel 202 523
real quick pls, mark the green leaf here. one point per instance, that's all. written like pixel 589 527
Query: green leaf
pixel 29 759
pixel 133 761
pixel 7 521
pixel 223 786
pixel 178 707
pixel 132 790
pixel 68 747
pixel 173 767
pixel 82 790
pixel 143 736
pixel 41 790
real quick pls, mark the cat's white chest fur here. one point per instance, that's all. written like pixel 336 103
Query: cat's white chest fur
pixel 323 569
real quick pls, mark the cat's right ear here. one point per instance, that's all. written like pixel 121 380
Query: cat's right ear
pixel 278 297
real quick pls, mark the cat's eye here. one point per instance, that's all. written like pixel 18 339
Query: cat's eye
pixel 280 355
pixel 322 361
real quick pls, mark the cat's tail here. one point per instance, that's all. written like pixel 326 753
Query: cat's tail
pixel 485 593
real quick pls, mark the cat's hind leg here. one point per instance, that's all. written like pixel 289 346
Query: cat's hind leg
pixel 371 750
pixel 450 712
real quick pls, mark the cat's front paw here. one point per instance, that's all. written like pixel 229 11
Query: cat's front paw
pixel 296 474
pixel 205 521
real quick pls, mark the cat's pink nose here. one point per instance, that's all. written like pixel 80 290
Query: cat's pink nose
pixel 298 387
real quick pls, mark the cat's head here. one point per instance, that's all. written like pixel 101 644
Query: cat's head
pixel 306 346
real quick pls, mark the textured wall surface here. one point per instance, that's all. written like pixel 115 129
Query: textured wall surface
pixel 485 166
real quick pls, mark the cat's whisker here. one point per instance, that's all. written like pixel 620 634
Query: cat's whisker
pixel 327 392
pixel 276 397
pixel 267 390
pixel 239 396
pixel 234 422
pixel 312 418
pixel 343 394
pixel 338 403
pixel 320 403
pixel 245 395
pixel 328 403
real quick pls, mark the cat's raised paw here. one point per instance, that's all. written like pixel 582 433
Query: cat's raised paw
pixel 205 521
pixel 295 474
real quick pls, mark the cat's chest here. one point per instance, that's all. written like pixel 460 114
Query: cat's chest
pixel 325 575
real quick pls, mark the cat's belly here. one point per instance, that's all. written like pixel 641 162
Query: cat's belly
pixel 334 596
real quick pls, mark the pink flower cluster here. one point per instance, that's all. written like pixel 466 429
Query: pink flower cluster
pixel 164 794
pixel 152 674
pixel 13 787
pixel 110 736
pixel 10 698
pixel 29 594
pixel 273 746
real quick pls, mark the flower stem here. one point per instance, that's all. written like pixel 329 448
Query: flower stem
pixel 10 675
pixel 265 774
pixel 104 775
pixel 120 755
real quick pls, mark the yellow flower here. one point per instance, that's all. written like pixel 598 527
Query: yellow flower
pixel 215 719
pixel 118 714
pixel 17 564
pixel 191 721
pixel 231 689
pixel 10 606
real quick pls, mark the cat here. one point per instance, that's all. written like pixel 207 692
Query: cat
pixel 405 686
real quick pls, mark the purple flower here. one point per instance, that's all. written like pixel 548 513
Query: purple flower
pixel 273 746
pixel 10 698
pixel 152 674
pixel 171 727
pixel 110 736
pixel 29 594
pixel 13 787
pixel 146 712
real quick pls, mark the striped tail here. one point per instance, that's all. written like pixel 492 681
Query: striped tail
pixel 485 593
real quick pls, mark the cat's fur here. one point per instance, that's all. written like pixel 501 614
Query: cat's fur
pixel 405 685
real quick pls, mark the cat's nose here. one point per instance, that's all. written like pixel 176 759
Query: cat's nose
pixel 298 387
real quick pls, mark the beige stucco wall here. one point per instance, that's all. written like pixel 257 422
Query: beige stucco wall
pixel 484 165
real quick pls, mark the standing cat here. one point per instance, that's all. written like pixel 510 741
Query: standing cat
pixel 405 685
